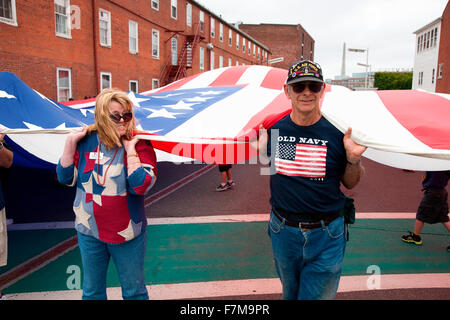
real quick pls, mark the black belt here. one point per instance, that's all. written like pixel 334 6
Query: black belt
pixel 306 225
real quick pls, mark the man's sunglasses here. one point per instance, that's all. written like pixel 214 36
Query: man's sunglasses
pixel 116 117
pixel 301 86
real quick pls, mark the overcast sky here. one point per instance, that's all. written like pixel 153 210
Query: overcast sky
pixel 385 27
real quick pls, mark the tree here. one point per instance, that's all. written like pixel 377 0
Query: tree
pixel 393 80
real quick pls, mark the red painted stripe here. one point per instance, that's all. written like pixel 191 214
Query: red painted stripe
pixel 229 77
pixel 423 114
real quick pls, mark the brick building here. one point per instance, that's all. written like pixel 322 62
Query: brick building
pixel 290 42
pixel 443 64
pixel 72 49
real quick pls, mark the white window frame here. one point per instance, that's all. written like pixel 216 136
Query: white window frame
pixel 136 82
pixel 243 44
pixel 155 83
pixel 202 58
pixel 249 48
pixel 155 44
pixel 220 61
pixel 221 32
pixel 108 74
pixel 133 25
pixel 211 65
pixel 105 14
pixel 213 27
pixel 174 50
pixel 237 41
pixel 174 9
pixel 440 70
pixel 155 5
pixel 230 63
pixel 202 21
pixel 58 87
pixel 189 14
pixel 230 37
pixel 13 20
pixel 67 34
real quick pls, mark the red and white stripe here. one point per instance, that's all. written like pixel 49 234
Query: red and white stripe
pixel 310 161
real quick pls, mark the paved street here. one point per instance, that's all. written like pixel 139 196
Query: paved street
pixel 204 244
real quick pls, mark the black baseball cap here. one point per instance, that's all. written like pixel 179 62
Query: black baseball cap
pixel 304 70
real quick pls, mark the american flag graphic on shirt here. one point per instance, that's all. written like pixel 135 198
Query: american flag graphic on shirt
pixel 303 160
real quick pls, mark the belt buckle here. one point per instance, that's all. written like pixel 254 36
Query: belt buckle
pixel 300 225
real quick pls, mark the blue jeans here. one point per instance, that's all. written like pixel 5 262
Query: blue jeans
pixel 128 258
pixel 309 263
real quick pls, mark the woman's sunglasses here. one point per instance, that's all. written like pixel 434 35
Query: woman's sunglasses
pixel 116 117
pixel 301 86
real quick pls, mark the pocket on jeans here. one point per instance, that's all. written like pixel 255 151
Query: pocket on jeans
pixel 274 224
pixel 336 228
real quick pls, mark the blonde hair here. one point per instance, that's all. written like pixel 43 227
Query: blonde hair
pixel 105 127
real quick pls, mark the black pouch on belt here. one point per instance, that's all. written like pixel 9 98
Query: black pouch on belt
pixel 348 212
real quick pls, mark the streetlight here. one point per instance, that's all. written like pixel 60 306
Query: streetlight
pixel 367 61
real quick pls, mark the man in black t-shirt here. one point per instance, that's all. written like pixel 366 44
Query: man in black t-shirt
pixel 309 159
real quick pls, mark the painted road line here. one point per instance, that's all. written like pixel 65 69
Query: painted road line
pixel 24 269
pixel 265 217
pixel 229 288
pixel 207 219
pixel 175 186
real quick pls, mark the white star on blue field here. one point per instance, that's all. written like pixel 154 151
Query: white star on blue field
pixel 165 111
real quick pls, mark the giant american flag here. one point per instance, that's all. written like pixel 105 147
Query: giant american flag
pixel 212 116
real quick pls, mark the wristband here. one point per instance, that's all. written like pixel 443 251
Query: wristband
pixel 353 163
pixel 133 155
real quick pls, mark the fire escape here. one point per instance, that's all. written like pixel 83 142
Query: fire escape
pixel 173 72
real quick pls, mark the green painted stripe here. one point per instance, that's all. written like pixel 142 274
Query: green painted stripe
pixel 183 253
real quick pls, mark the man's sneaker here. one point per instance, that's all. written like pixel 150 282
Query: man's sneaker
pixel 412 238
pixel 231 184
pixel 223 187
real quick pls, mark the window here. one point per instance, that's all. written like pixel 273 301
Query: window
pixel 64 83
pixel 202 58
pixel 104 27
pixel 212 60
pixel 420 78
pixel 105 80
pixel 202 21
pixel 230 37
pixel 440 70
pixel 173 8
pixel 174 48
pixel 155 44
pixel 237 41
pixel 8 12
pixel 133 86
pixel 62 13
pixel 133 36
pixel 432 76
pixel 249 48
pixel 213 28
pixel 243 45
pixel 220 61
pixel 230 62
pixel 435 36
pixel 428 39
pixel 254 50
pixel 155 83
pixel 221 32
pixel 155 4
pixel 189 14
pixel 259 52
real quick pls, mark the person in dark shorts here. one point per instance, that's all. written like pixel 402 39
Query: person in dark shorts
pixel 434 205
pixel 226 178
